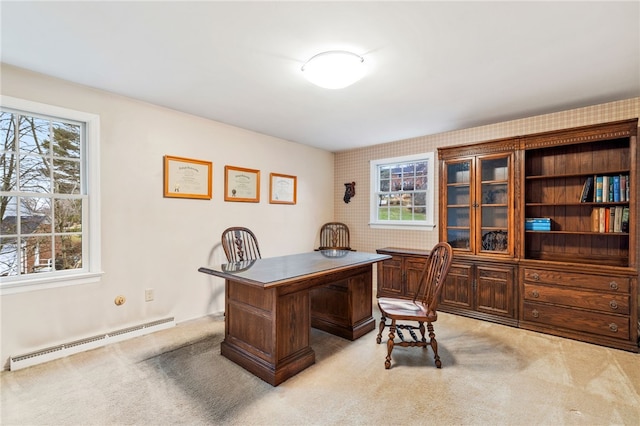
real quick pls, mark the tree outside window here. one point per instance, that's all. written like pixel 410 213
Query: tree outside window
pixel 41 194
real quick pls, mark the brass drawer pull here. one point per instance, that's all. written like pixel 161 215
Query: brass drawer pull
pixel 535 294
pixel 535 313
pixel 613 285
pixel 613 327
pixel 535 277
pixel 613 304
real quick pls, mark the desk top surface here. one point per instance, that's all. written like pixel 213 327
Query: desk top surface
pixel 274 271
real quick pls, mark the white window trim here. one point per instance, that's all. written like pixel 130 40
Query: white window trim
pixel 93 273
pixel 373 181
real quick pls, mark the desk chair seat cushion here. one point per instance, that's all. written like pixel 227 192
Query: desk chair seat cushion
pixel 406 310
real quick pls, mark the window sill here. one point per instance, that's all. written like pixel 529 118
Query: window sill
pixel 405 226
pixel 31 284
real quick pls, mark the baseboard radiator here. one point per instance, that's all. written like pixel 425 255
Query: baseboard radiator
pixel 77 346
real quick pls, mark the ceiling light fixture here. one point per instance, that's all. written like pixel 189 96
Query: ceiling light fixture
pixel 335 69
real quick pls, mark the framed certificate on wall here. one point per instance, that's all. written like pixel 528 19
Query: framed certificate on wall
pixel 187 178
pixel 241 184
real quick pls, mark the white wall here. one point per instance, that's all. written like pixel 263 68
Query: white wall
pixel 149 241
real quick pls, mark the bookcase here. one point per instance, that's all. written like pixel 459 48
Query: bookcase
pixel 569 265
pixel 556 168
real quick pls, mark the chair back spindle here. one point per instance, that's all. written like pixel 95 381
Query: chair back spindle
pixel 334 235
pixel 240 244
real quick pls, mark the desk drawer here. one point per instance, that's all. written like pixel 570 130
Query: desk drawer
pixel 598 301
pixel 572 279
pixel 577 320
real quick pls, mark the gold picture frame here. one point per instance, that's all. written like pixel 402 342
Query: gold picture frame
pixel 283 189
pixel 241 184
pixel 187 178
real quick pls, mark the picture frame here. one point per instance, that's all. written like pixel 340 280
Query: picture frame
pixel 282 189
pixel 241 184
pixel 187 178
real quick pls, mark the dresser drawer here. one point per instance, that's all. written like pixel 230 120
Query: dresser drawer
pixel 577 320
pixel 573 279
pixel 598 301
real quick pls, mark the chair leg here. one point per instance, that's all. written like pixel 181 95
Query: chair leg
pixel 421 328
pixel 383 324
pixel 434 345
pixel 392 331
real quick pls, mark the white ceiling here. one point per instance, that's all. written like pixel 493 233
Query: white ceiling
pixel 433 66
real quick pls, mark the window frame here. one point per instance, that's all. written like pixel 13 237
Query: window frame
pixel 429 223
pixel 90 161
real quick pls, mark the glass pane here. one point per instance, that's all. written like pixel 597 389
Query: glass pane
pixel 458 172
pixel 494 217
pixel 7 132
pixel 34 135
pixel 383 213
pixel 408 183
pixel 66 140
pixel 495 240
pixel 494 193
pixel 8 221
pixel 385 185
pixel 66 176
pixel 458 217
pixel 68 252
pixel 38 256
pixel 496 169
pixel 395 213
pixel 385 172
pixel 458 195
pixel 34 174
pixel 421 168
pixel 35 217
pixel 8 256
pixel 68 214
pixel 458 238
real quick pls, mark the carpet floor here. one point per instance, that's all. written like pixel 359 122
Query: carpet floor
pixel 491 374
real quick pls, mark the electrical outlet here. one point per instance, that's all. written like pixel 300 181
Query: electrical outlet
pixel 148 295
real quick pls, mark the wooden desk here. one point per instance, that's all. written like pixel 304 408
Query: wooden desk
pixel 271 305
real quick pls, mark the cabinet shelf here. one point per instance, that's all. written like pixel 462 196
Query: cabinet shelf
pixel 585 204
pixel 613 234
pixel 579 175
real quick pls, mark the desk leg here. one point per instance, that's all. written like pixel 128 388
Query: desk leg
pixel 267 333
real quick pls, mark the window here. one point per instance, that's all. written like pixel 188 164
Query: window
pixel 49 210
pixel 402 192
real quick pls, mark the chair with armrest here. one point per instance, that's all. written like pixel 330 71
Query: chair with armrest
pixel 334 236
pixel 240 244
pixel 422 309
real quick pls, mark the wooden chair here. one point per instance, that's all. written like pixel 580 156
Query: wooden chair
pixel 422 309
pixel 334 236
pixel 240 244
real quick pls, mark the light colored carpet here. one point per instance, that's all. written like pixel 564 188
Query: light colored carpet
pixel 491 374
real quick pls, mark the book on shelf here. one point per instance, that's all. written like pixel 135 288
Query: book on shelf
pixel 537 224
pixel 608 189
pixel 610 219
pixel 616 189
pixel 595 219
pixel 599 186
pixel 617 219
pixel 602 215
pixel 624 225
pixel 587 190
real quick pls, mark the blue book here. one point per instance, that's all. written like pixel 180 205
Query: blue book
pixel 616 189
pixel 599 183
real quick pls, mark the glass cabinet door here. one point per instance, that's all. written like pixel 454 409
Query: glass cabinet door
pixel 458 209
pixel 492 204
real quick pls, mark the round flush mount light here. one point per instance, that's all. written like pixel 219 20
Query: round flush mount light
pixel 334 69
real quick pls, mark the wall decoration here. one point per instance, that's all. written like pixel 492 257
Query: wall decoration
pixel 282 189
pixel 241 184
pixel 349 192
pixel 187 178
